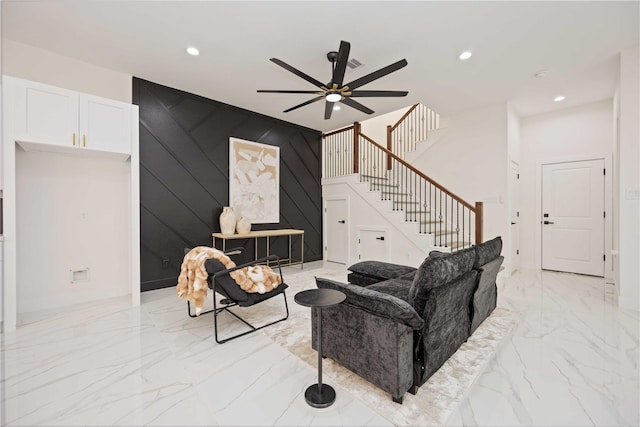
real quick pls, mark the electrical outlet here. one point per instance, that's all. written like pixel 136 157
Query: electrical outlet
pixel 165 264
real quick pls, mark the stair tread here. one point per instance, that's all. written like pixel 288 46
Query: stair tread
pixel 443 232
pixel 455 245
pixel 416 212
pixel 405 202
pixel 431 222
pixel 375 177
pixel 376 184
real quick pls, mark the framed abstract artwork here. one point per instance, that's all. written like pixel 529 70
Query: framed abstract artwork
pixel 254 180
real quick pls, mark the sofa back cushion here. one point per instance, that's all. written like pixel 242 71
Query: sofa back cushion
pixel 487 252
pixel 437 271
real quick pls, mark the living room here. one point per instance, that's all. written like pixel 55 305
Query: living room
pixel 186 120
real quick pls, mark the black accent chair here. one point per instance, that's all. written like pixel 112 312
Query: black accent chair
pixel 221 282
pixel 398 332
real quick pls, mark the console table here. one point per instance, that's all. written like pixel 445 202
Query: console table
pixel 266 234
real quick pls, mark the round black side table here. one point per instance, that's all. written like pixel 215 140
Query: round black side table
pixel 319 395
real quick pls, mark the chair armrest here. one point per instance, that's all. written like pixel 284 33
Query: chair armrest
pixel 234 251
pixel 377 303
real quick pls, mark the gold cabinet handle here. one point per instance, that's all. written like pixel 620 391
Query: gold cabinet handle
pixel 84 140
pixel 73 140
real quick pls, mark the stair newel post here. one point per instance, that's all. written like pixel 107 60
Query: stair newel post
pixel 389 146
pixel 356 147
pixel 478 222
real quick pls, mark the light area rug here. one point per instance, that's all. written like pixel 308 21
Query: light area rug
pixel 435 400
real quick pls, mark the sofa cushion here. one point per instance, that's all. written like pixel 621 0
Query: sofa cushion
pixel 379 269
pixel 399 288
pixel 437 271
pixel 362 279
pixel 487 252
pixel 375 302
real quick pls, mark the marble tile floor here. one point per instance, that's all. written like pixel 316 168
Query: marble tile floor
pixel 572 360
pixel 110 364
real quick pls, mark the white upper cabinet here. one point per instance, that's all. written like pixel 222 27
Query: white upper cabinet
pixel 105 124
pixel 45 114
pixel 55 117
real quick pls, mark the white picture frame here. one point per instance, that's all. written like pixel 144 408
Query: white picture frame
pixel 254 180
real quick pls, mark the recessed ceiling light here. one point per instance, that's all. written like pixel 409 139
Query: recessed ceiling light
pixel 336 107
pixel 193 51
pixel 558 98
pixel 465 55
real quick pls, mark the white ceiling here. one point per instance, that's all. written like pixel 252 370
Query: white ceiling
pixel 577 43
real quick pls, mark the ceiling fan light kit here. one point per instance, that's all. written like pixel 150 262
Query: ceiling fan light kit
pixel 335 91
pixel 333 97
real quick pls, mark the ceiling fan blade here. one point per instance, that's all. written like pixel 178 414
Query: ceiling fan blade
pixel 372 93
pixel 354 104
pixel 297 72
pixel 328 109
pixel 317 98
pixel 341 63
pixel 290 91
pixel 377 74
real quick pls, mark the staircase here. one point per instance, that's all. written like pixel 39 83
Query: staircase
pixel 441 219
pixel 427 219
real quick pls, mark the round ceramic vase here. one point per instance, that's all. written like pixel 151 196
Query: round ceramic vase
pixel 243 226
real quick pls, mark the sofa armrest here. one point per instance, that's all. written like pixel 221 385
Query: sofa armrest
pixel 375 302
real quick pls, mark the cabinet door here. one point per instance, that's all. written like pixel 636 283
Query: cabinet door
pixel 45 114
pixel 372 245
pixel 105 124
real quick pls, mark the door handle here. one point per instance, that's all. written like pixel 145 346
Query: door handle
pixel 548 222
pixel 380 238
pixel 341 221
pixel 513 223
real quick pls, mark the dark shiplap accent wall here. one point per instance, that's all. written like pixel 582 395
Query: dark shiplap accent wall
pixel 184 169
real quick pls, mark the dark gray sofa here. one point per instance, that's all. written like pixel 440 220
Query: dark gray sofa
pixel 397 332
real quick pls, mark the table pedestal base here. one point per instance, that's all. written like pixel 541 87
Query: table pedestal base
pixel 320 398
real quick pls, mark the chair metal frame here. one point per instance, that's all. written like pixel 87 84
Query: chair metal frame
pixel 227 302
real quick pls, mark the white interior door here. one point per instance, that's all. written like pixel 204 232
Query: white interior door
pixel 573 217
pixel 514 213
pixel 336 230
pixel 372 244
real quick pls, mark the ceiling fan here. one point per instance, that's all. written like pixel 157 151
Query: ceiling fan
pixel 335 90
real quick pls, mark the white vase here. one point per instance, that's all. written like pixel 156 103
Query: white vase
pixel 227 220
pixel 243 226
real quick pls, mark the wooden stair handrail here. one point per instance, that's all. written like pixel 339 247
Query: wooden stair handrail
pixel 345 129
pixel 404 116
pixel 420 174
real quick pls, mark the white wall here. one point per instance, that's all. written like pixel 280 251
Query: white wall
pixel 1 185
pixel 513 134
pixel 376 127
pixel 576 133
pixel 471 161
pixel 73 213
pixel 628 213
pixel 31 63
